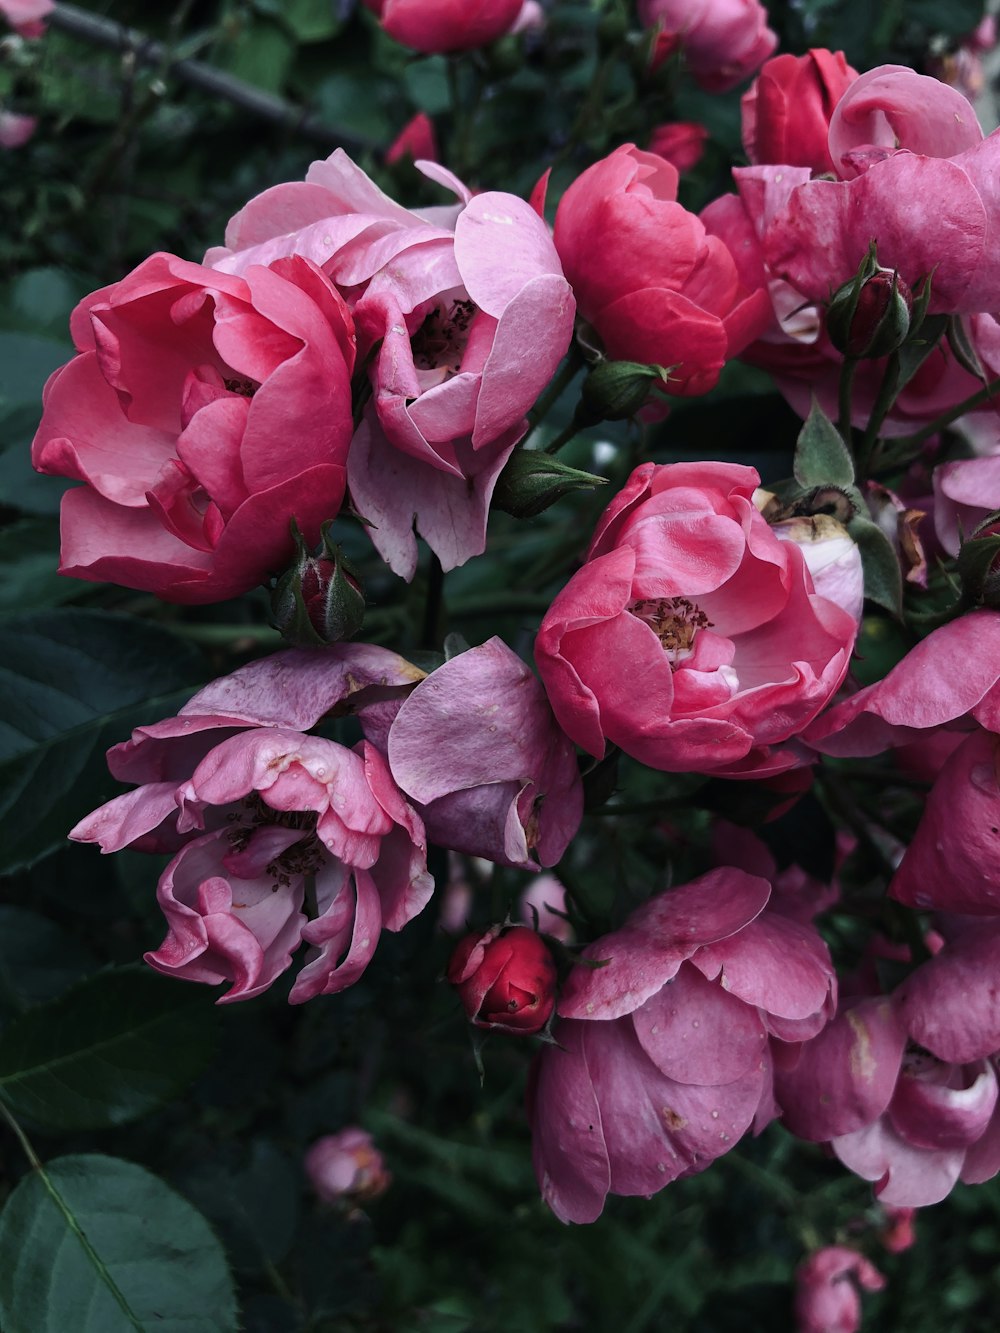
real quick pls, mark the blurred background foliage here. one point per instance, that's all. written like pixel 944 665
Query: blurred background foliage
pixel 133 154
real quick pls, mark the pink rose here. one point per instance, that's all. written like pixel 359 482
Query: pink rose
pixel 476 747
pixel 787 110
pixel 826 1297
pixel 415 141
pixel 724 41
pixel 904 1088
pixel 662 1060
pixel 347 1166
pixel 655 286
pixel 281 838
pixel 471 315
pixel 505 979
pixel 965 492
pixel 692 637
pixel 184 379
pixel 951 862
pixel 916 175
pixel 15 130
pixel 437 26
pixel 681 143
pixel 26 17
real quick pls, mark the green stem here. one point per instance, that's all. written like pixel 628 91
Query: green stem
pixel 845 401
pixel 886 397
pixel 71 1222
pixel 959 410
pixel 565 435
pixel 560 382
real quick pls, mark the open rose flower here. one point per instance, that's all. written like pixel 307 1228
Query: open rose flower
pixel 904 1087
pixel 347 1167
pixel 470 314
pixel 692 637
pixel 724 41
pixel 281 838
pixel 203 412
pixel 662 1060
pixel 656 287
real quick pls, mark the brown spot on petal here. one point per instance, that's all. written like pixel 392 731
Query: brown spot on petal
pixel 671 1119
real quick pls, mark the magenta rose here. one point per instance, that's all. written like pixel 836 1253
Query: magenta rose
pixel 692 637
pixel 662 1059
pixel 470 314
pixel 904 1088
pixel 347 1167
pixel 656 287
pixel 787 110
pixel 439 26
pixel 826 1297
pixel 281 838
pixel 26 17
pixel 184 380
pixel 724 41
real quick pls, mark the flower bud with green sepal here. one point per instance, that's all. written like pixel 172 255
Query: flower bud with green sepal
pixel 979 564
pixel 871 315
pixel 531 481
pixel 319 599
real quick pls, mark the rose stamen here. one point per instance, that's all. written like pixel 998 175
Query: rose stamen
pixel 674 621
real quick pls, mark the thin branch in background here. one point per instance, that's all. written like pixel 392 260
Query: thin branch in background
pixel 266 106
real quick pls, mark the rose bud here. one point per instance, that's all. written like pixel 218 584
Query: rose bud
pixel 347 1166
pixel 979 564
pixel 832 557
pixel 870 315
pixel 506 979
pixel 318 600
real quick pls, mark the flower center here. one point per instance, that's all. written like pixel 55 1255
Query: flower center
pixel 240 384
pixel 674 620
pixel 439 343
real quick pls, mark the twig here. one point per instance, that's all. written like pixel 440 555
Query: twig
pixel 266 106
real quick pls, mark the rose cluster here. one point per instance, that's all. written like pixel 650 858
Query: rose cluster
pixel 341 356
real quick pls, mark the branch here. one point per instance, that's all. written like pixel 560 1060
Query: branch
pixel 266 106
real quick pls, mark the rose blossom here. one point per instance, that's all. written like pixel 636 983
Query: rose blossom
pixel 826 1298
pixel 505 979
pixel 692 636
pixel 786 112
pixel 723 41
pixel 470 314
pixel 415 141
pixel 662 1060
pixel 904 1088
pixel 477 748
pixel 184 379
pixel 915 173
pixel 26 17
pixel 965 492
pixel 347 1166
pixel 655 286
pixel 438 26
pixel 16 130
pixel 280 837
pixel 681 143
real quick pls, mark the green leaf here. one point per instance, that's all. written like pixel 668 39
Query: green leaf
pixel 93 1244
pixel 883 578
pixel 117 1046
pixel 821 456
pixel 307 20
pixel 38 960
pixel 29 578
pixel 73 683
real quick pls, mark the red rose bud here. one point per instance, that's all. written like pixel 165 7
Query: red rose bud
pixel 979 564
pixel 870 315
pixel 506 979
pixel 318 600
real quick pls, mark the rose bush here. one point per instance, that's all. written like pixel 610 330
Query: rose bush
pixel 185 378
pixel 692 636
